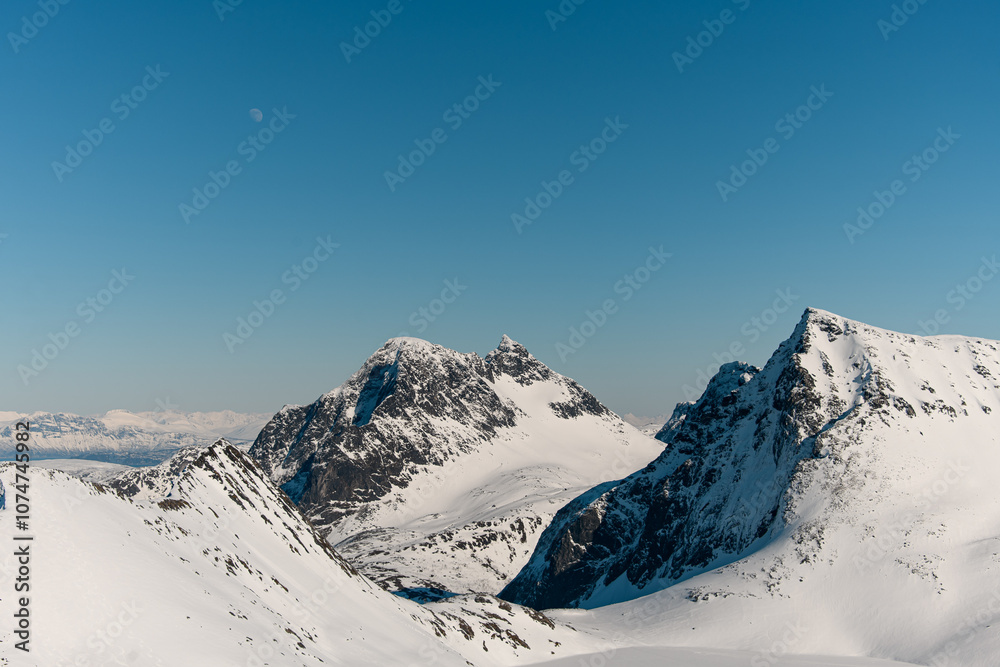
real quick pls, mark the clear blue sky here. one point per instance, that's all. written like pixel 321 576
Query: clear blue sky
pixel 324 175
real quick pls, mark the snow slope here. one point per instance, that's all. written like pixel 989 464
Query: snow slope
pixel 225 571
pixel 837 507
pixel 846 490
pixel 648 656
pixel 434 469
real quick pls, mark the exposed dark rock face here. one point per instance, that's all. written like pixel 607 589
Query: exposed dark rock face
pixel 359 441
pixel 412 404
pixel 723 482
pixel 433 469
pixel 158 481
pixel 512 359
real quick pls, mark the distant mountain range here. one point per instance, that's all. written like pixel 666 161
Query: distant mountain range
pixel 836 507
pixel 130 438
pixel 648 425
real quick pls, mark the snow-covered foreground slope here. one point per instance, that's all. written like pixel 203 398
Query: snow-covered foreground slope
pixel 648 656
pixel 225 571
pixel 841 501
pixel 845 495
pixel 130 438
pixel 435 469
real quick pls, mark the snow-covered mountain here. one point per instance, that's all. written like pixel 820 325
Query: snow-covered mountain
pixel 836 508
pixel 226 571
pixel 233 426
pixel 433 469
pixel 131 438
pixel 844 496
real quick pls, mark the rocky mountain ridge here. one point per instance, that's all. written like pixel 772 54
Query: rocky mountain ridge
pixel 434 469
pixel 765 456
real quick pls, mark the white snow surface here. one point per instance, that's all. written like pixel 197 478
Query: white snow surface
pixel 470 523
pixel 647 656
pixel 888 550
pixel 226 572
pixel 888 541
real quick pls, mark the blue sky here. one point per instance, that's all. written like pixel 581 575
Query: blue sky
pixel 887 95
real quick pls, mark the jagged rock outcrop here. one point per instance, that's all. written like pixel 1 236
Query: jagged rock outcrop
pixel 759 445
pixel 396 465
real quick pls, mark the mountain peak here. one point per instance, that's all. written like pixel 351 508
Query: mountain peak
pixel 832 324
pixel 815 314
pixel 410 343
pixel 420 425
pixel 513 359
pixel 507 343
pixel 838 414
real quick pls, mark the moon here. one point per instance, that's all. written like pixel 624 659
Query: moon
pixel 256 115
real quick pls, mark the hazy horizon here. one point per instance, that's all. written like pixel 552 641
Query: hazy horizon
pixel 233 208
